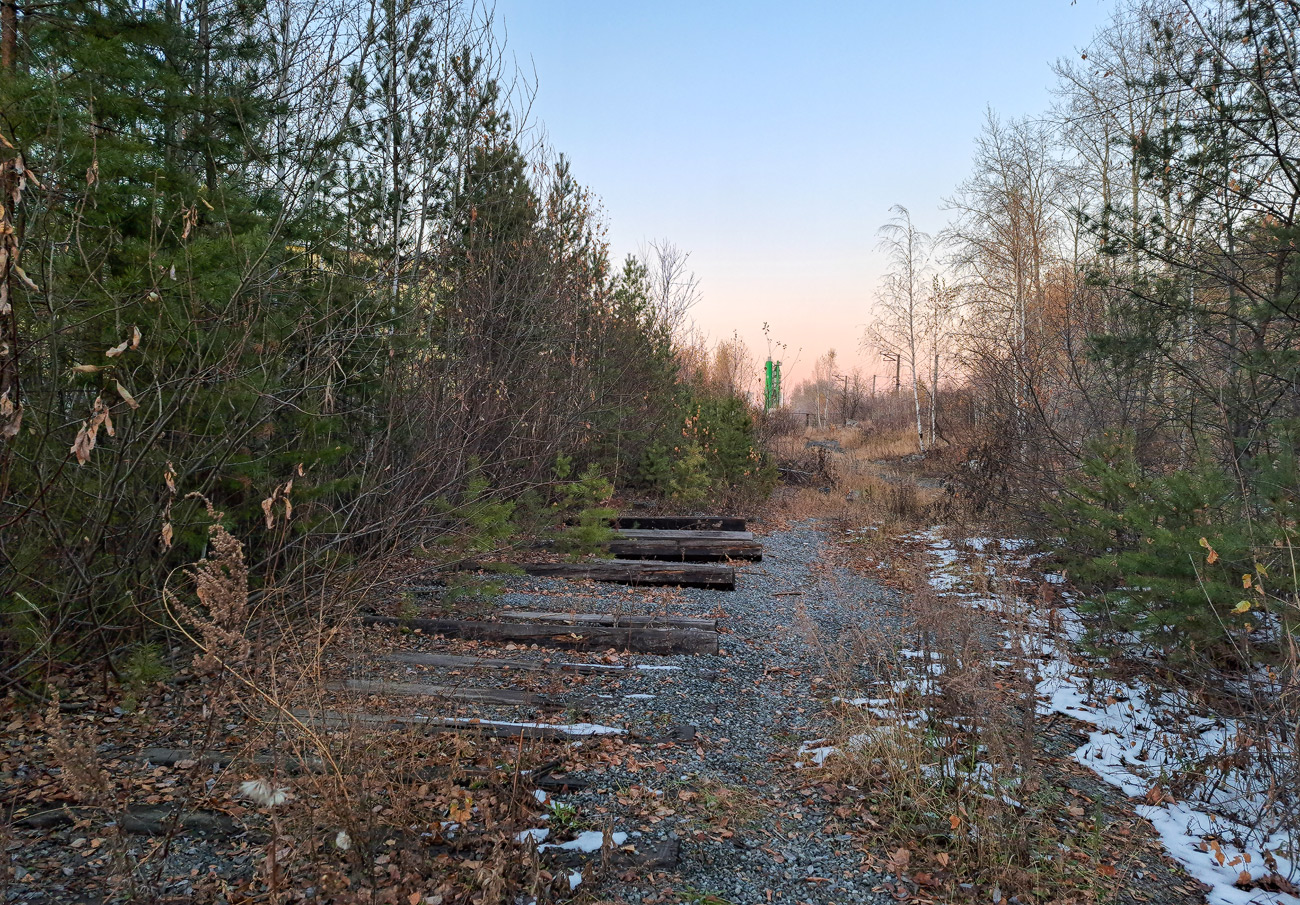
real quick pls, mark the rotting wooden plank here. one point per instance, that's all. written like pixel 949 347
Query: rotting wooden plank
pixel 546 782
pixel 644 574
pixel 682 522
pixel 541 778
pixel 507 696
pixel 628 620
pixel 646 640
pixel 673 534
pixel 471 725
pixel 692 548
pixel 171 756
pixel 150 820
pixel 502 729
pixel 452 661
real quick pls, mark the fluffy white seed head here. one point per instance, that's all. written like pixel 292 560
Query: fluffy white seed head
pixel 262 793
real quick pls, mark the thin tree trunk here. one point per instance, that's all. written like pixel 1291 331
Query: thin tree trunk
pixel 916 393
pixel 8 34
pixel 934 398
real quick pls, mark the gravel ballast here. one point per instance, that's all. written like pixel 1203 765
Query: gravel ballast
pixel 755 705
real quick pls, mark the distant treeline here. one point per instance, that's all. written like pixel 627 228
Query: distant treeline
pixel 1119 287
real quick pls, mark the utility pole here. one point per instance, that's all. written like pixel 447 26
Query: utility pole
pixel 897 359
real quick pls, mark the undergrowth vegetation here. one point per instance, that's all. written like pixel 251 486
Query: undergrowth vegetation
pixel 326 280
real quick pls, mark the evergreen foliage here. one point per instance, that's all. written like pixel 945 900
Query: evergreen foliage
pixel 1166 551
pixel 582 502
pixel 715 453
pixel 300 267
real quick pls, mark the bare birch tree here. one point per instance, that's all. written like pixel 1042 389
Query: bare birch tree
pixel 900 300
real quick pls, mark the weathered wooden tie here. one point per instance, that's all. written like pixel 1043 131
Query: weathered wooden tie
pixel 509 697
pixel 542 777
pixel 645 640
pixel 681 522
pixel 502 729
pixel 628 620
pixel 454 662
pixel 686 546
pixel 332 719
pixel 675 534
pixel 641 573
pixel 663 856
pixel 146 819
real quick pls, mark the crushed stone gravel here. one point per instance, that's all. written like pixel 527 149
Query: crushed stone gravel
pixel 755 704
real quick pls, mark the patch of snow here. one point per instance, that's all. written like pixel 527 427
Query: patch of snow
pixel 534 835
pixel 817 752
pixel 1140 735
pixel 587 842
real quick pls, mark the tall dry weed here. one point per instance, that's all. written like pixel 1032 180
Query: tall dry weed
pixel 945 744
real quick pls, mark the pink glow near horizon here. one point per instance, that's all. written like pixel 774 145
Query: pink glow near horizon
pixel 770 139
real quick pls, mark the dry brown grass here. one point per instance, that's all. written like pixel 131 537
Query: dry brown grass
pixel 944 761
pixel 362 813
pixel 860 486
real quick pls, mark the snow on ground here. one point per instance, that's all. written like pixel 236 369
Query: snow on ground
pixel 587 842
pixel 817 752
pixel 566 728
pixel 1141 735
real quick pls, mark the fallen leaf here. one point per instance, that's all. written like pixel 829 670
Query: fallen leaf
pixel 898 860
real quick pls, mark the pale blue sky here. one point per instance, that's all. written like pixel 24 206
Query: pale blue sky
pixel 770 139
